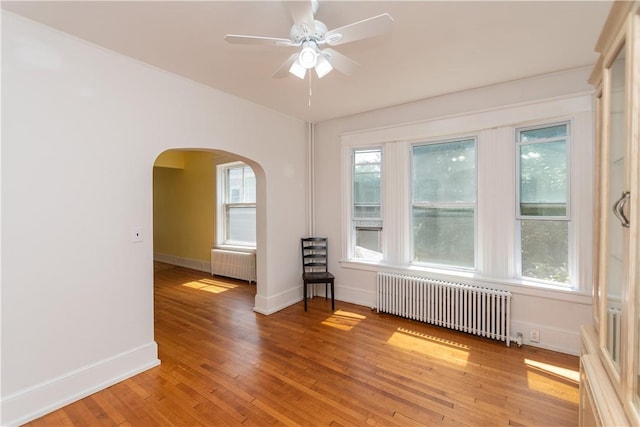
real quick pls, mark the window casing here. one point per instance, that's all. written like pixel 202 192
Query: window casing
pixel 543 202
pixel 443 203
pixel 237 205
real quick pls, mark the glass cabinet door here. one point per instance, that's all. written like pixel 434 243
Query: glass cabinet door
pixel 634 117
pixel 616 233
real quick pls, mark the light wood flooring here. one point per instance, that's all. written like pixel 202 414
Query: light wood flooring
pixel 223 364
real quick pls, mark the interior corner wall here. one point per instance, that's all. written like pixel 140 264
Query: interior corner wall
pixel 81 129
pixel 558 320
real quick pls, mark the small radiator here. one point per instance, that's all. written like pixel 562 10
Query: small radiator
pixel 467 308
pixel 238 265
pixel 614 316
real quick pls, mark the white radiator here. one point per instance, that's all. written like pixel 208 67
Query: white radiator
pixel 238 265
pixel 614 316
pixel 467 308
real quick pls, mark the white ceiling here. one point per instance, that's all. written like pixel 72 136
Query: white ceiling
pixel 434 48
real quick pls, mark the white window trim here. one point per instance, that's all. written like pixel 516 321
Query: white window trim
pixel 495 130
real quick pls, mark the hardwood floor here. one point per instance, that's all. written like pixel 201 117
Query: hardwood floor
pixel 223 364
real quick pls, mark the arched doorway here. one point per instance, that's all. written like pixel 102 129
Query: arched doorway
pixel 186 209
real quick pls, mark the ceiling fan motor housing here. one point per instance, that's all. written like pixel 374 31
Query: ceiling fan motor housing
pixel 300 33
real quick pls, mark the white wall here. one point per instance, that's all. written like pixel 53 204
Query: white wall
pixel 556 314
pixel 81 129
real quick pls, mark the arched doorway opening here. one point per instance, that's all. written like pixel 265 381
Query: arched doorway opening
pixel 189 219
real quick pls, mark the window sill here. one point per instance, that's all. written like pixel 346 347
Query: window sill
pixel 515 286
pixel 232 248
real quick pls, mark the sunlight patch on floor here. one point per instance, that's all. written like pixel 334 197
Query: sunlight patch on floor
pixel 343 320
pixel 566 373
pixel 556 381
pixel 407 339
pixel 209 285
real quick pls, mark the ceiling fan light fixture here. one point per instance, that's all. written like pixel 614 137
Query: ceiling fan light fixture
pixel 323 67
pixel 308 57
pixel 297 70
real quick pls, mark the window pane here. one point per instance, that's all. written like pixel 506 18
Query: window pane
pixel 366 211
pixel 367 208
pixel 444 172
pixel 543 179
pixel 234 185
pixel 368 156
pixel 543 133
pixel 241 185
pixel 369 242
pixel 366 183
pixel 545 250
pixel 444 236
pixel 249 187
pixel 241 224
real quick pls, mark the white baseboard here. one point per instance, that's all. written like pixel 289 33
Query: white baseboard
pixel 194 264
pixel 357 296
pixel 40 399
pixel 293 295
pixel 277 302
pixel 560 340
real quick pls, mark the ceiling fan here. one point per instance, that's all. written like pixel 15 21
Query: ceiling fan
pixel 310 36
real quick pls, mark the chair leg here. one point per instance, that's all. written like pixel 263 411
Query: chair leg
pixel 333 302
pixel 305 295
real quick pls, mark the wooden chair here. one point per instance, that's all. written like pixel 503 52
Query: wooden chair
pixel 315 257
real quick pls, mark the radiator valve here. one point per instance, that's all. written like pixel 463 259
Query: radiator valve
pixel 519 339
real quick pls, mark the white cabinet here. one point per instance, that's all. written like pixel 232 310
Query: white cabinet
pixel 610 386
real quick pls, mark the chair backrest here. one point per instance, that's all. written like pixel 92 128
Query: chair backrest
pixel 315 254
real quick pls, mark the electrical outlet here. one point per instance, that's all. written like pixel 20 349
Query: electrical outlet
pixel 534 335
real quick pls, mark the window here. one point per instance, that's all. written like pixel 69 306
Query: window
pixel 543 202
pixel 238 204
pixel 367 208
pixel 501 197
pixel 443 183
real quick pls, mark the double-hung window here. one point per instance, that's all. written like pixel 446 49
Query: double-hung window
pixel 238 204
pixel 542 208
pixel 443 202
pixel 367 204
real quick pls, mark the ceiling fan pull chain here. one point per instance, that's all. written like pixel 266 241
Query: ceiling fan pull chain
pixel 310 91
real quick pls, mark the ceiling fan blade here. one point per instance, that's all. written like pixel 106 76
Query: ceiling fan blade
pixel 360 30
pixel 302 14
pixel 283 71
pixel 340 62
pixel 258 40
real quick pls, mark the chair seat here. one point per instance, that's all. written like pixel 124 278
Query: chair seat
pixel 317 277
